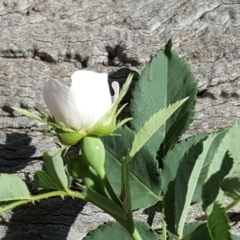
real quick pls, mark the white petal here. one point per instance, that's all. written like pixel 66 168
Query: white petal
pixel 92 96
pixel 116 88
pixel 61 103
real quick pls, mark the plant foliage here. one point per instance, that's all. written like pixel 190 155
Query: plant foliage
pixel 147 163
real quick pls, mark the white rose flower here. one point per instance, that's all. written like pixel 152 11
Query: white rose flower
pixel 82 104
pixel 84 108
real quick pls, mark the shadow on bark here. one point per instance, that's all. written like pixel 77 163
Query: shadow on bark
pixel 15 154
pixel 48 219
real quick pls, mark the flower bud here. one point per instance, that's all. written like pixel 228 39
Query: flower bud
pixel 78 169
pixel 93 152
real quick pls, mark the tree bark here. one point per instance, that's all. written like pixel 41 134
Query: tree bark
pixel 50 39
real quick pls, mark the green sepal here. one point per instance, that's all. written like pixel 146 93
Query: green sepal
pixel 42 118
pixel 105 125
pixel 108 123
pixel 27 114
pixel 69 136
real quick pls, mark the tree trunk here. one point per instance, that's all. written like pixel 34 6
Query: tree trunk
pixel 50 39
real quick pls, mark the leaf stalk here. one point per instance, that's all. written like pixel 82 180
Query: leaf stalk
pixel 232 205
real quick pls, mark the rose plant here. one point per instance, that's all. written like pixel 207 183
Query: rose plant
pixel 122 167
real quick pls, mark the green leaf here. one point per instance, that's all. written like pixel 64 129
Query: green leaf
pixel 187 177
pixel 231 143
pixel 231 184
pixel 165 80
pixel 189 228
pixel 184 173
pixel 114 231
pixel 199 230
pixel 211 188
pixel 53 164
pixel 211 145
pixel 144 172
pixel 27 113
pixel 228 143
pixel 43 180
pixel 216 228
pixel 152 125
pixel 218 225
pixel 200 233
pixel 180 192
pixel 12 188
pixel 231 187
pixel 174 157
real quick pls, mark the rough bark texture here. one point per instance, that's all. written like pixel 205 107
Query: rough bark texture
pixel 44 39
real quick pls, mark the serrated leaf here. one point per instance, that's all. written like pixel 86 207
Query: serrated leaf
pixel 218 225
pixel 144 172
pixel 174 156
pixel 210 148
pixel 43 180
pixel 152 125
pixel 231 142
pixel 179 194
pixel 114 231
pixel 53 163
pixel 12 188
pixel 189 177
pixel 228 143
pixel 27 113
pixel 211 188
pixel 166 79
